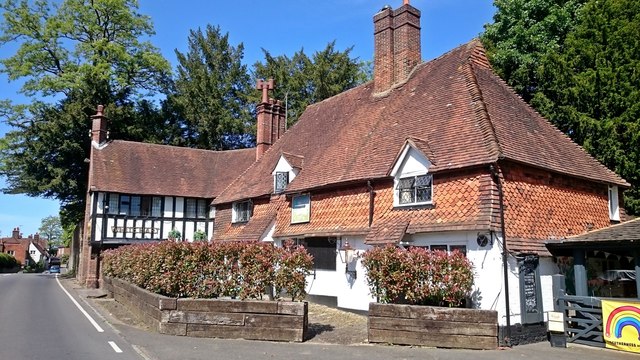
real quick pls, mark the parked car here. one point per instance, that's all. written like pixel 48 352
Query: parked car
pixel 54 269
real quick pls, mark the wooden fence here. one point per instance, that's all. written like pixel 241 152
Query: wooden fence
pixel 583 319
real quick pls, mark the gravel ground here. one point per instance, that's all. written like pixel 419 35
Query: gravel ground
pixel 326 325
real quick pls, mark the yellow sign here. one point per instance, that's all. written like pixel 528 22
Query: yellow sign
pixel 621 325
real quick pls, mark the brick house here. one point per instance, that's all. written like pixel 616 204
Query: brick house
pixel 439 154
pixel 27 250
pixel 141 192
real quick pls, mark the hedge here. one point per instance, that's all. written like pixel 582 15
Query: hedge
pixel 7 261
pixel 244 270
pixel 418 276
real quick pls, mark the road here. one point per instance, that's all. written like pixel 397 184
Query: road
pixel 39 320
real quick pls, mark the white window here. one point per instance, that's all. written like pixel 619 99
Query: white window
pixel 242 211
pixel 281 180
pixel 32 252
pixel 414 190
pixel 614 208
pixel 11 252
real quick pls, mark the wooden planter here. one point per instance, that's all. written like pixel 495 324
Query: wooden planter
pixel 433 326
pixel 228 319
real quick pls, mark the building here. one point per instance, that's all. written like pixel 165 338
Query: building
pixel 439 154
pixel 27 251
pixel 141 192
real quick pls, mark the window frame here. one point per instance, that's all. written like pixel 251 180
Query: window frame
pixel 145 206
pixel 613 203
pixel 235 218
pixel 397 191
pixel 277 190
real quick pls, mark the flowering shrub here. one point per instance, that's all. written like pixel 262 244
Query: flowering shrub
pixel 418 276
pixel 210 270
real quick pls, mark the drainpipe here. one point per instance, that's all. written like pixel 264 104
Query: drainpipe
pixel 505 253
pixel 371 194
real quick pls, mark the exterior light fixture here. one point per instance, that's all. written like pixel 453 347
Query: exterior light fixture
pixel 347 256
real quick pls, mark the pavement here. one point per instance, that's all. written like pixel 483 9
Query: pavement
pixel 154 346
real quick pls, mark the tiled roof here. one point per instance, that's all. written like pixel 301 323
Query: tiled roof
pixel 149 169
pixel 626 231
pixel 264 214
pixel 464 112
pixel 295 161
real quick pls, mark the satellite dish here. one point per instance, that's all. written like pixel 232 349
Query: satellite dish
pixel 483 240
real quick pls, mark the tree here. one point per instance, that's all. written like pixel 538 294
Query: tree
pixel 76 54
pixel 591 88
pixel 212 91
pixel 51 229
pixel 302 81
pixel 522 33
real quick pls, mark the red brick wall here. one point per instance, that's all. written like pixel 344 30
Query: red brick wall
pixel 540 206
pixel 20 250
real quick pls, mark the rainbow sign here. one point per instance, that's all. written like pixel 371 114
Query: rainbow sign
pixel 621 322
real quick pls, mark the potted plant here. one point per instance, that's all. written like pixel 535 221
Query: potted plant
pixel 199 235
pixel 174 235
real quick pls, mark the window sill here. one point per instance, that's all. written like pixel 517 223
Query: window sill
pixel 415 206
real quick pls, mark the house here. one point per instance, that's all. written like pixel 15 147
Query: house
pixel 439 154
pixel 38 249
pixel 25 250
pixel 141 192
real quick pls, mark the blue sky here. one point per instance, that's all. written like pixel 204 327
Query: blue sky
pixel 279 26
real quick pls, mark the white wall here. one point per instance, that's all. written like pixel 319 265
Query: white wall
pixel 488 290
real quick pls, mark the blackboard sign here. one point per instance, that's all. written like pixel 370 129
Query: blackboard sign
pixel 530 290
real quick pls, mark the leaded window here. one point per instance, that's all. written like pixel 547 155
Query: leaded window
pixel 113 203
pixel 414 190
pixel 190 206
pixel 242 211
pixel 281 181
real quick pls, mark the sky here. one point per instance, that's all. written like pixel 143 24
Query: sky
pixel 280 26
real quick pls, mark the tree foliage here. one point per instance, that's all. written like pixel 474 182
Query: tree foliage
pixel 212 91
pixel 522 33
pixel 577 63
pixel 591 89
pixel 302 80
pixel 76 53
pixel 51 229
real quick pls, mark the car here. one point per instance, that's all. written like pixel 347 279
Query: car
pixel 54 269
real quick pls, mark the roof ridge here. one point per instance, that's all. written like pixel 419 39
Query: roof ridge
pixel 141 143
pixel 481 113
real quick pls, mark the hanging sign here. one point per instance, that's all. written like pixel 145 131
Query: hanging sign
pixel 621 325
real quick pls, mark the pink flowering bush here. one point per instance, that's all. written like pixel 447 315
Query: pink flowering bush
pixel 418 276
pixel 245 270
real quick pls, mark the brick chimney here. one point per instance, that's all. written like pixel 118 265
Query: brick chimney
pixel 99 127
pixel 16 233
pixel 270 119
pixel 396 45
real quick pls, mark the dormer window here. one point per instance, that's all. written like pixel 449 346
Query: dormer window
pixel 281 179
pixel 414 190
pixel 412 180
pixel 242 211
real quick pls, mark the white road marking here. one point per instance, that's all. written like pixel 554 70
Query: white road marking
pixel 115 347
pixel 86 314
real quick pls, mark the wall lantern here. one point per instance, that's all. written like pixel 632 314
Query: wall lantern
pixel 347 256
